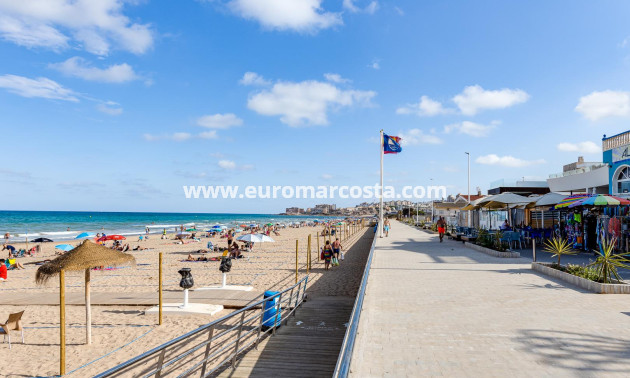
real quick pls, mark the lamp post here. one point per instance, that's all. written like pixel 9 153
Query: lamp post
pixel 431 203
pixel 469 212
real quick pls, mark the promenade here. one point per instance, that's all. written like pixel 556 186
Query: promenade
pixel 440 309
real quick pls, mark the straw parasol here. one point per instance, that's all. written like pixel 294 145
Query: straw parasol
pixel 86 256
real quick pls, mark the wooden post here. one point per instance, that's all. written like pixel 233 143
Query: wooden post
pixel 308 248
pixel 160 291
pixel 88 309
pixel 62 323
pixel 296 261
pixel 317 247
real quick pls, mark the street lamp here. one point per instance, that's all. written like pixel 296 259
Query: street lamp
pixel 469 212
pixel 432 220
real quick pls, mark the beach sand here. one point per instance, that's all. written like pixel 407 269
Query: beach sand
pixel 122 332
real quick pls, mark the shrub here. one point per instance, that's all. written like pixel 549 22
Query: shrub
pixel 558 247
pixel 607 262
pixel 588 272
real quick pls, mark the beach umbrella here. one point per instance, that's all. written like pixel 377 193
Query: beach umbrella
pixel 251 238
pixel 182 234
pixel 42 240
pixel 191 229
pixel 85 235
pixel 114 237
pixel 86 256
pixel 600 200
pixel 65 247
pixel 570 199
pixel 266 239
pixel 548 199
pixel 544 201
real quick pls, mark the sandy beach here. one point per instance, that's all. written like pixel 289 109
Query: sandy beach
pixel 121 332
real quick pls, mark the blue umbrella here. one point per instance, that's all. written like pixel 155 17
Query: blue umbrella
pixel 85 235
pixel 65 247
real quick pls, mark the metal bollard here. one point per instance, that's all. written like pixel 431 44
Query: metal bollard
pixel 534 249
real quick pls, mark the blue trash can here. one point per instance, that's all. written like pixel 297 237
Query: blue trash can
pixel 270 310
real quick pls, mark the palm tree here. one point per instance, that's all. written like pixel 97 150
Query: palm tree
pixel 607 263
pixel 559 247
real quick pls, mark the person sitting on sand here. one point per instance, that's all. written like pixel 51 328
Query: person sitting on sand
pixel 126 247
pixel 235 253
pixel 190 257
pixel 15 265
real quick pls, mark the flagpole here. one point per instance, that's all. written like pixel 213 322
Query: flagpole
pixel 380 212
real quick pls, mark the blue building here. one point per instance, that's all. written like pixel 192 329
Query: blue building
pixel 616 153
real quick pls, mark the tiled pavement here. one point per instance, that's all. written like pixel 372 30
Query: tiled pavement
pixel 440 309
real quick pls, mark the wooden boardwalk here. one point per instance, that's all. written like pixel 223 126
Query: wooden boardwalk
pixel 227 298
pixel 307 347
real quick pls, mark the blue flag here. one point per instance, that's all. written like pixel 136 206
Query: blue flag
pixel 391 144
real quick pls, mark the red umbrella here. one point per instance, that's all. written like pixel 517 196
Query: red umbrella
pixel 115 237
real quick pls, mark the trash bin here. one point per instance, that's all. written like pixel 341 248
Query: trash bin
pixel 270 310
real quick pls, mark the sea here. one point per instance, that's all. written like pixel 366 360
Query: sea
pixel 66 225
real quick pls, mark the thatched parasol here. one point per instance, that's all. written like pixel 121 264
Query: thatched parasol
pixel 86 256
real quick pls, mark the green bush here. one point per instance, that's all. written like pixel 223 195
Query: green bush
pixel 588 272
pixel 608 262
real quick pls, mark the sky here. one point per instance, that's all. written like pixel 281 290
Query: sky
pixel 111 105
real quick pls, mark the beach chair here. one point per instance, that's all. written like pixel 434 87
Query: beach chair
pixel 14 323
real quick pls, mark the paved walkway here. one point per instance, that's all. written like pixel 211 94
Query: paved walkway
pixel 440 309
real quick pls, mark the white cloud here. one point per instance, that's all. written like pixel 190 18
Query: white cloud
pixel 227 164
pixel 336 78
pixel 39 87
pixel 475 98
pixel 252 78
pixel 507 161
pixel 417 136
pixel 110 107
pixel 327 176
pixel 306 102
pixel 181 136
pixel 603 104
pixel 470 128
pixel 371 7
pixel 375 65
pixel 350 6
pixel 177 137
pixel 39 35
pixel 426 107
pixel 230 165
pixel 587 147
pixel 212 134
pixel 399 11
pixel 219 121
pixel 79 67
pixel 95 26
pixel 298 15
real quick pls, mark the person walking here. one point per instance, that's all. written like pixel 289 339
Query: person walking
pixel 336 248
pixel 386 227
pixel 327 254
pixel 441 223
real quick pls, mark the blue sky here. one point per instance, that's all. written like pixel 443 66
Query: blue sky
pixel 114 105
